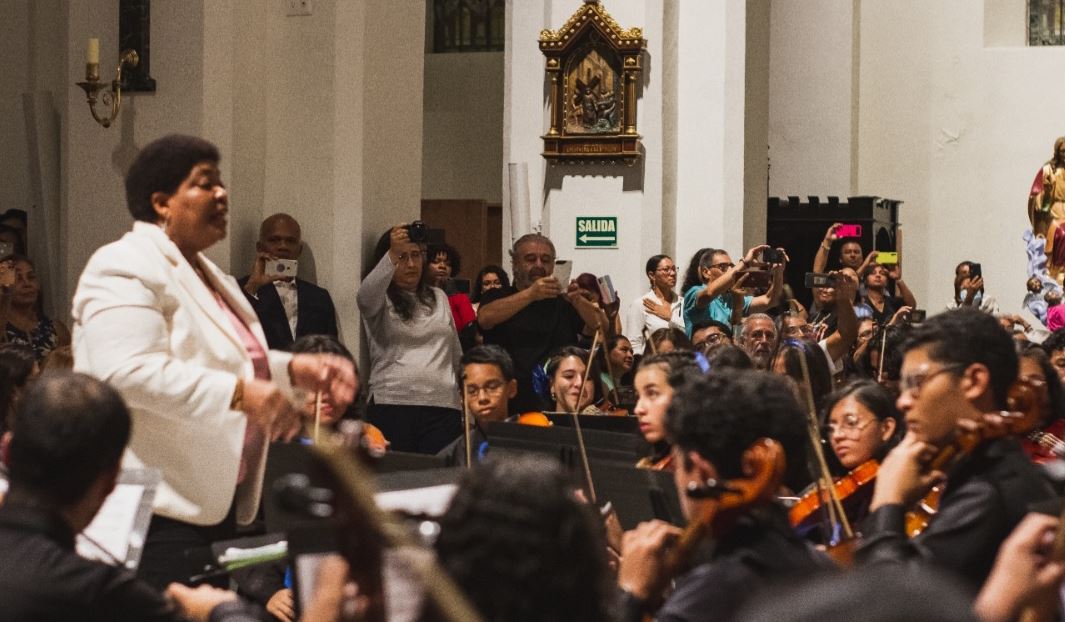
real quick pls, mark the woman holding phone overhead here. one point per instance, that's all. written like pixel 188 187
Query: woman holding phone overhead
pixel 155 318
pixel 414 348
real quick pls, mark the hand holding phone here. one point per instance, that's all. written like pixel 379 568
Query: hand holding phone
pixel 284 268
pixel 563 270
pixel 887 258
pixel 849 231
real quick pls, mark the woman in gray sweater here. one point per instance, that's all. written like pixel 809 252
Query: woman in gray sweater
pixel 414 349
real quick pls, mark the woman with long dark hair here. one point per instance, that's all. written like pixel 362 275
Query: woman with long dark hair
pixel 414 348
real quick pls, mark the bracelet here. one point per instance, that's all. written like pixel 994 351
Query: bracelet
pixel 237 403
pixel 827 247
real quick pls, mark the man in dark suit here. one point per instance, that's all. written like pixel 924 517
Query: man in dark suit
pixel 288 307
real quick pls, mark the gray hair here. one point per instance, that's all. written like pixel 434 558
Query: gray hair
pixel 531 237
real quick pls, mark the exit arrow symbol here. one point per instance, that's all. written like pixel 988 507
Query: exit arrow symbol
pixel 595 238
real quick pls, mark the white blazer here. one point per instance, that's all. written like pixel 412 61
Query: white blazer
pixel 145 323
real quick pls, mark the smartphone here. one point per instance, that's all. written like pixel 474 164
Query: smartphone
pixel 282 267
pixel 820 279
pixel 887 258
pixel 849 231
pixel 563 270
pixel 756 279
pixel 917 316
pixel 772 255
pixel 6 248
pixel 457 286
pixel 606 290
pixel 975 271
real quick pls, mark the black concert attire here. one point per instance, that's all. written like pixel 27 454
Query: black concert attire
pixel 43 579
pixel 985 497
pixel 530 336
pixel 759 551
pixel 315 313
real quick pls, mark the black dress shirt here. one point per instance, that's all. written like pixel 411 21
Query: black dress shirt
pixel 42 578
pixel 985 497
pixel 758 552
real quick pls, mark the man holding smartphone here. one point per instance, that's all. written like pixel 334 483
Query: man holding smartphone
pixel 288 307
pixel 535 317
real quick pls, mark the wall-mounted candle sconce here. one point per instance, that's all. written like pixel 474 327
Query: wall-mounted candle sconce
pixel 111 97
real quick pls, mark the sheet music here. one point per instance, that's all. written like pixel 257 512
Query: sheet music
pixel 429 501
pixel 113 524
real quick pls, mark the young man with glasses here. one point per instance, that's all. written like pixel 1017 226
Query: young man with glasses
pixel 957 367
pixel 488 385
pixel 721 297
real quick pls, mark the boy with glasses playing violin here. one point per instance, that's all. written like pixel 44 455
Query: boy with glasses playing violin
pixel 488 384
pixel 958 366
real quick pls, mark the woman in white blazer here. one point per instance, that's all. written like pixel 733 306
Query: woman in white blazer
pixel 174 334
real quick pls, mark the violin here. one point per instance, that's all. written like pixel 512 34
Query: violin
pixel 1025 401
pixel 805 512
pixel 716 505
pixel 1046 445
pixel 535 418
pixel 662 464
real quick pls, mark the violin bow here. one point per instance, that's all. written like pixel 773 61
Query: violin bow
pixel 835 505
pixel 647 340
pixel 880 363
pixel 577 420
pixel 317 414
pixel 466 425
pixel 609 370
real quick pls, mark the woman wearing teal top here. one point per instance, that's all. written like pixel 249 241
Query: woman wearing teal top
pixel 720 297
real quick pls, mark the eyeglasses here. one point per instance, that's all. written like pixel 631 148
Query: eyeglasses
pixel 850 426
pixel 727 265
pixel 411 256
pixel 669 270
pixel 492 387
pixel 912 384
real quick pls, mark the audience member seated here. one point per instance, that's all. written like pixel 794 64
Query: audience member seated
pixel 414 349
pixel 444 263
pixel 708 335
pixel 537 316
pixel 488 383
pixel 761 547
pixel 667 340
pixel 720 296
pixel 884 305
pixel 957 367
pixel 20 309
pixel 572 386
pixel 490 277
pixel 969 292
pixel 63 454
pixel 522 547
pixel 656 380
pixel 288 307
pixel 658 308
pixel 758 338
pixel 18 367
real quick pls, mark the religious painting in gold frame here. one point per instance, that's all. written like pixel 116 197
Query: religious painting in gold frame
pixel 593 67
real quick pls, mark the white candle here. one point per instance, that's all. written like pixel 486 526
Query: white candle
pixel 92 55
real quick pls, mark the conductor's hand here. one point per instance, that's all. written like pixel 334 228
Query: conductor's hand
pixel 270 409
pixel 327 373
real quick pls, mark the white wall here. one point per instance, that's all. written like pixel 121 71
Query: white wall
pixel 462 153
pixel 810 105
pixel 958 131
pixel 687 191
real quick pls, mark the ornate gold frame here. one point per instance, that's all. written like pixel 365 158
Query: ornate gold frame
pixel 594 120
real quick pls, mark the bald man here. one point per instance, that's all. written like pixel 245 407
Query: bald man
pixel 288 307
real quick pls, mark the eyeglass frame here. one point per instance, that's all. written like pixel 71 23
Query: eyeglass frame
pixel 492 387
pixel 848 430
pixel 907 386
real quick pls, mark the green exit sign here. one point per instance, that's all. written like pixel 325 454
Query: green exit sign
pixel 597 232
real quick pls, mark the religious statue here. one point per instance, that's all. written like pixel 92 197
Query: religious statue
pixel 1046 209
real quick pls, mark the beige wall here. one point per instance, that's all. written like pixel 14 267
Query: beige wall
pixel 462 155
